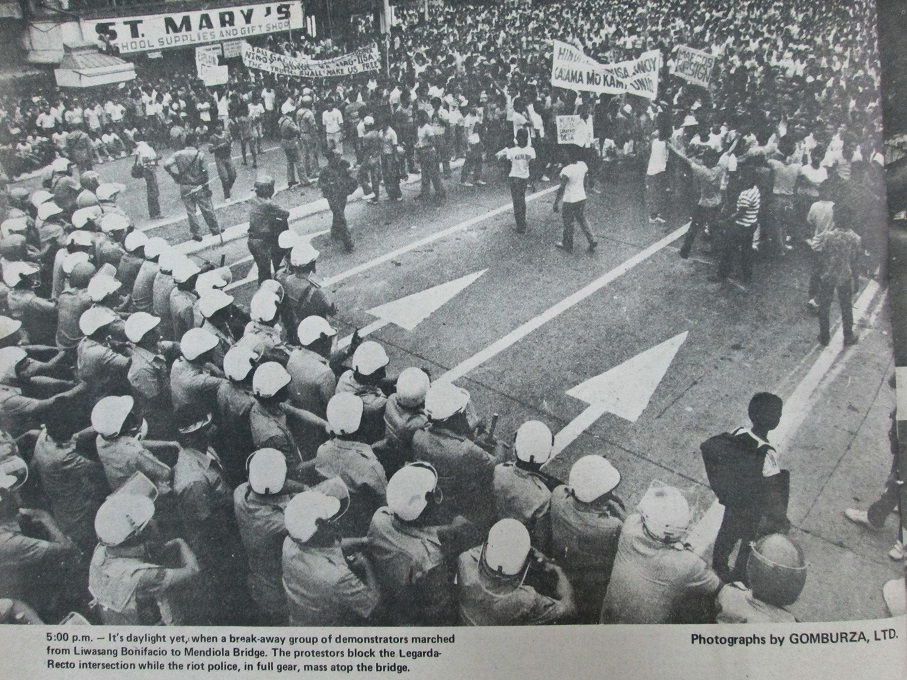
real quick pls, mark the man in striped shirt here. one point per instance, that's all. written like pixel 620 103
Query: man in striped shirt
pixel 739 229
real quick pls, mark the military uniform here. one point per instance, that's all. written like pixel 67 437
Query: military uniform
pixel 129 589
pixel 234 430
pixel 486 599
pixel 225 341
pixel 266 221
pixel 71 303
pixel 262 529
pixel 355 463
pixel 650 579
pixel 74 486
pixel 102 370
pixel 123 456
pixel 321 590
pixel 191 384
pixel 128 270
pixel 38 315
pixel 270 431
pixel 401 424
pixel 149 379
pixel 411 565
pixel 312 385
pixel 160 303
pixel 31 569
pixel 289 134
pixel 303 297
pixel 308 134
pixel 736 604
pixel 374 402
pixel 181 304
pixel 523 496
pixel 18 413
pixel 261 338
pixel 143 288
pixel 188 168
pixel 222 147
pixel 465 473
pixel 584 542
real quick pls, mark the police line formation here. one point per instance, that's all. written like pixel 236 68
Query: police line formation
pixel 170 457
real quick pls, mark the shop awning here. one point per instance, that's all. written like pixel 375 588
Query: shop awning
pixel 87 67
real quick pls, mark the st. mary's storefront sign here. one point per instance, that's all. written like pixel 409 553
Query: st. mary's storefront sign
pixel 148 32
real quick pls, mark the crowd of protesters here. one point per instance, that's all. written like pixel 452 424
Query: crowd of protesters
pixel 173 458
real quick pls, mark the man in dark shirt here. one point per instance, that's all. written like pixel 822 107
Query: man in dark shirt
pixel 266 221
pixel 222 147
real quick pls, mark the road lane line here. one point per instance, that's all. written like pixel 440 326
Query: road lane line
pixel 796 407
pixel 553 312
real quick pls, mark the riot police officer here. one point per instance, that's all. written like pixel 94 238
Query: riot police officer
pixel 266 221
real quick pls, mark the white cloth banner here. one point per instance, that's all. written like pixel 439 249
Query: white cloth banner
pixel 692 65
pixel 147 32
pixel 360 61
pixel 571 69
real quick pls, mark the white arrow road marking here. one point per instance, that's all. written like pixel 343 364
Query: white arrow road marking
pixel 624 390
pixel 521 332
pixel 408 312
pixel 800 403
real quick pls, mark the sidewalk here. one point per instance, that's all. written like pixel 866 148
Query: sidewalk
pixel 840 458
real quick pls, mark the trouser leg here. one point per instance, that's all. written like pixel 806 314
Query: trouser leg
pixel 567 236
pixel 583 224
pixel 696 226
pixel 189 204
pixel 826 291
pixel 154 194
pixel 845 295
pixel 204 204
pixel 746 255
pixel 261 253
pixel 518 194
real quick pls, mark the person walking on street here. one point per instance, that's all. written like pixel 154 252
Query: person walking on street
pixel 266 221
pixel 146 159
pixel 428 160
pixel 336 185
pixel 519 157
pixel 840 255
pixel 222 146
pixel 573 193
pixel 187 167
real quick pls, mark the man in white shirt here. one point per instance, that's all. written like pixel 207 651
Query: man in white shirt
pixel 657 177
pixel 332 120
pixel 146 159
pixel 573 193
pixel 519 157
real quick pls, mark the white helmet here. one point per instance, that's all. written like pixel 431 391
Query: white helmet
pixel 412 386
pixel 168 259
pixel 102 285
pixel 14 272
pixel 212 301
pixel 60 165
pixel 140 323
pixel 48 210
pixel 155 246
pixel 313 328
pixel 269 379
pixel 108 191
pixel 507 547
pixel 273 287
pixel 445 400
pixel 533 442
pixel 95 318
pixel 40 196
pixel 409 488
pixel 135 240
pixel 72 259
pixel 109 415
pixel 303 253
pixel 303 513
pixel 80 238
pixel 369 357
pixel 592 477
pixel 344 413
pixel 13 473
pixel 114 222
pixel 665 513
pixel 368 121
pixel 197 341
pixel 263 306
pixel 288 239
pixel 122 516
pixel 13 225
pixel 10 358
pixel 9 326
pixel 267 471
pixel 214 279
pixel 238 363
pixel 184 269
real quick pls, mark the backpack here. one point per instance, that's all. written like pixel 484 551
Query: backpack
pixel 734 469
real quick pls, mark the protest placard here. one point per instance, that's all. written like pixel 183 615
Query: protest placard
pixel 362 60
pixel 573 70
pixel 570 130
pixel 694 66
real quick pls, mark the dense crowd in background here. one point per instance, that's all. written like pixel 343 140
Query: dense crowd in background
pixel 172 457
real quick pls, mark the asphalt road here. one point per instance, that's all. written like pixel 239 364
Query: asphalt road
pixel 535 322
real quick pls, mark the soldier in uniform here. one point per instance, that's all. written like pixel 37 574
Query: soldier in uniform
pixel 368 380
pixel 193 378
pixel 495 582
pixel 127 577
pixel 149 373
pixel 776 574
pixel 336 185
pixel 64 188
pixel 183 299
pixel 266 221
pixel 413 554
pixel 143 288
pixel 72 302
pixel 234 404
pixel 354 462
pixel 19 411
pixel 221 146
pixel 161 289
pixel 37 314
pixel 404 415
pixel 303 295
pixel 520 490
pixel 188 169
pixel 308 134
pixel 289 142
pixel 263 334
pixel 655 573
pixel 132 259
pixel 109 248
pixel 327 582
pixel 122 448
pixel 216 309
pixel 259 506
pixel 586 519
pixel 98 366
pixel 465 467
pixel 89 183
